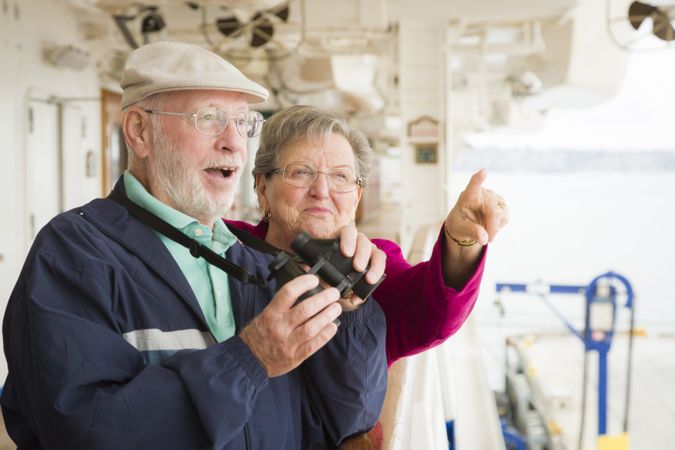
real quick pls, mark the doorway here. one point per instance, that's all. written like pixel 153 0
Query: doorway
pixel 114 154
pixel 43 165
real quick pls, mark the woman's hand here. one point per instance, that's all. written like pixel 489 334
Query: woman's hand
pixel 473 222
pixel 477 216
pixel 364 253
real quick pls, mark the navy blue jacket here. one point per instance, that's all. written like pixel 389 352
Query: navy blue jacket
pixel 107 348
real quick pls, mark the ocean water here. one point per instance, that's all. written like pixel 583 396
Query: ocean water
pixel 568 227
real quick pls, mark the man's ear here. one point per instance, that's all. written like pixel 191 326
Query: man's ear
pixel 137 131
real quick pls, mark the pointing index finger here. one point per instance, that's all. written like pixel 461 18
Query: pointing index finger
pixel 476 181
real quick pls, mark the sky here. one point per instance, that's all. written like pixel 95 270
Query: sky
pixel 641 116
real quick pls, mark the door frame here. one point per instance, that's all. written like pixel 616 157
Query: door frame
pixel 111 121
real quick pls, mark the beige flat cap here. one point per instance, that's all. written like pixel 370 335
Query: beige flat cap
pixel 176 66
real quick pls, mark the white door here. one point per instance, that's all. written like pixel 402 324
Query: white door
pixel 42 167
pixel 73 156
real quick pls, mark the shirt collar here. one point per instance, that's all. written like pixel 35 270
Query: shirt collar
pixel 139 195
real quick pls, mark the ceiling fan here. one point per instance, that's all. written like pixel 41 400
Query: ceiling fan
pixel 641 26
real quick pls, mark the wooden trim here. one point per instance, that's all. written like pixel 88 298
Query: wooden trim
pixel 111 121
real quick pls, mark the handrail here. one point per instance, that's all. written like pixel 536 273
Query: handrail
pixel 448 382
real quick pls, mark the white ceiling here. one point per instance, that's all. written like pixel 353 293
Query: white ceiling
pixel 470 9
pixel 337 26
pixel 315 30
pixel 352 13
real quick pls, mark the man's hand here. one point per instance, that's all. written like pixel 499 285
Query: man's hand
pixel 282 336
pixel 357 245
pixel 477 216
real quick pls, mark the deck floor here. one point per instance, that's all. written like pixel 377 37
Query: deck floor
pixel 558 363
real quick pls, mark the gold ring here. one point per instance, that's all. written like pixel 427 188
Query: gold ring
pixel 501 203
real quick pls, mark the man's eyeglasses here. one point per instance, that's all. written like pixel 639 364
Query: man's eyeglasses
pixel 212 121
pixel 298 174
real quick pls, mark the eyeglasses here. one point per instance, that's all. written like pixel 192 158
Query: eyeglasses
pixel 298 174
pixel 212 121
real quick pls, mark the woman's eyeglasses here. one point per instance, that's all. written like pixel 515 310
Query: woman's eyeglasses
pixel 298 174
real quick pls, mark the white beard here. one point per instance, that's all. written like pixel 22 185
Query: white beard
pixel 181 183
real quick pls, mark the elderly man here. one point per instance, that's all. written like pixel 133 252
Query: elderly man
pixel 117 336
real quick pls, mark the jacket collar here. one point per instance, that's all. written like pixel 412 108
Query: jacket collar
pixel 115 221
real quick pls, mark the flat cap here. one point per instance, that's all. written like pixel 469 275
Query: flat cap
pixel 176 66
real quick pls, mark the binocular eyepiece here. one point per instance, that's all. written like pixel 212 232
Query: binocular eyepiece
pixel 324 259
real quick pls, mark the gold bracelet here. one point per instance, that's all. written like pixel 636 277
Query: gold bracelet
pixel 462 243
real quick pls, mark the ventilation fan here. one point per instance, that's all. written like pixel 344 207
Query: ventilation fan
pixel 641 26
pixel 240 33
pixel 151 23
pixel 662 19
pixel 258 31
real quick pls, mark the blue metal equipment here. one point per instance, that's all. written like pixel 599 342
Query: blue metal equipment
pixel 599 323
pixel 512 438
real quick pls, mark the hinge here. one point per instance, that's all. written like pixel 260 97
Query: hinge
pixel 30 120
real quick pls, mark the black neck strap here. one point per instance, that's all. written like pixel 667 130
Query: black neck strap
pixel 253 241
pixel 198 250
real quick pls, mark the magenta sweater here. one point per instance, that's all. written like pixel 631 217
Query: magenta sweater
pixel 421 311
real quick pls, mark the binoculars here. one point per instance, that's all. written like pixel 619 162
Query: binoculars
pixel 325 260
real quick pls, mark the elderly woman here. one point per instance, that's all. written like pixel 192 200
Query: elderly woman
pixel 310 172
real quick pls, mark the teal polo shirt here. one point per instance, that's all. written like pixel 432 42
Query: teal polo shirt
pixel 209 284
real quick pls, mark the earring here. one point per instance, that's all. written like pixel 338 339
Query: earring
pixel 266 216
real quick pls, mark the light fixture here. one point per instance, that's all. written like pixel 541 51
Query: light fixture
pixel 68 56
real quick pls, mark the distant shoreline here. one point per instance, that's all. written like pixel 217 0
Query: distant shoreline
pixel 564 161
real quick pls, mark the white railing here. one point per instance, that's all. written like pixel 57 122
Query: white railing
pixel 448 382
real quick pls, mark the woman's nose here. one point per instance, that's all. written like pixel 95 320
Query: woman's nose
pixel 320 187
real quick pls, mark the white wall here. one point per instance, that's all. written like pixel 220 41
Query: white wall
pixel 25 27
pixel 422 72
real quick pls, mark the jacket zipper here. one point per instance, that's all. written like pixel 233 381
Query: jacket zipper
pixel 248 316
pixel 252 291
pixel 247 437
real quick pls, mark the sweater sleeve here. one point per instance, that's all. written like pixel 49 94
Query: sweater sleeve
pixel 259 230
pixel 421 311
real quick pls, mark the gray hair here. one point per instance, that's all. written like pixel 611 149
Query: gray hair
pixel 302 122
